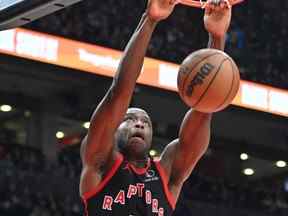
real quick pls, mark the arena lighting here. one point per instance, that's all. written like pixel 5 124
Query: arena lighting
pixel 5 108
pixel 60 135
pixel 244 156
pixel 86 125
pixel 281 164
pixel 248 171
pixel 27 113
pixel 152 152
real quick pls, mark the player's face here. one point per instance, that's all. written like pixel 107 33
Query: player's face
pixel 135 132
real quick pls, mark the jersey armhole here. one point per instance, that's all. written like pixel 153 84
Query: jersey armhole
pixel 170 197
pixel 87 195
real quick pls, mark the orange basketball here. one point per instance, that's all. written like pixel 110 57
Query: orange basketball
pixel 208 80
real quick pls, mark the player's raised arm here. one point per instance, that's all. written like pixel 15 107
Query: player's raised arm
pixel 180 157
pixel 97 149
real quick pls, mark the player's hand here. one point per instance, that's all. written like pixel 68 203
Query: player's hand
pixel 217 17
pixel 158 10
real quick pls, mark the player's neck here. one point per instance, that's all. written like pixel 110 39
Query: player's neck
pixel 139 163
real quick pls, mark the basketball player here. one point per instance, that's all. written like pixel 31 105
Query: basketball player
pixel 118 177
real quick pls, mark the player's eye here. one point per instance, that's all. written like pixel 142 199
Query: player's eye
pixel 145 121
pixel 129 118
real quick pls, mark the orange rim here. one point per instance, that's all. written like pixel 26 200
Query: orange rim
pixel 199 4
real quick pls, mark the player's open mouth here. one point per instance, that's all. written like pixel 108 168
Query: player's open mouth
pixel 139 136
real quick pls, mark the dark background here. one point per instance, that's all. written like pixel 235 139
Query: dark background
pixel 40 173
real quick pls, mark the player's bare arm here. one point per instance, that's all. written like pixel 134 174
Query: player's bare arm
pixel 180 156
pixel 98 151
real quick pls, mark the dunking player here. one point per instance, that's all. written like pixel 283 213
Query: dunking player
pixel 118 177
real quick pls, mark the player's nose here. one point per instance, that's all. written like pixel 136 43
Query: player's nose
pixel 139 124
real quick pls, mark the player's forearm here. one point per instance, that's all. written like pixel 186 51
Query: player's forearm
pixel 133 57
pixel 216 42
pixel 194 137
pixel 194 131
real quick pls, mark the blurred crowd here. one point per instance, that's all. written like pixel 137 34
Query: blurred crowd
pixel 257 39
pixel 34 187
pixel 31 186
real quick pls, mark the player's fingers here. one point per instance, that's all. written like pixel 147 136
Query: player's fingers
pixel 203 4
pixel 208 7
pixel 216 4
pixel 178 2
pixel 228 4
pixel 213 5
pixel 219 5
pixel 222 5
pixel 174 2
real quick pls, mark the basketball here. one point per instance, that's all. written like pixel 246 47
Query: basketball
pixel 208 80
